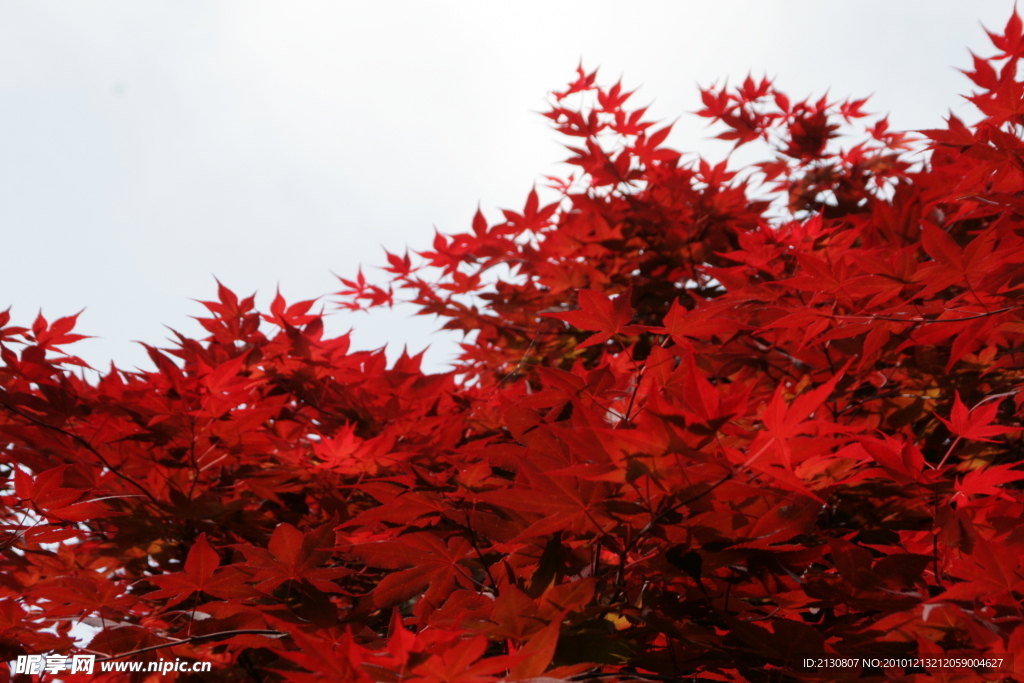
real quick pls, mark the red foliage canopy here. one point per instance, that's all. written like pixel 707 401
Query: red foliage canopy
pixel 705 424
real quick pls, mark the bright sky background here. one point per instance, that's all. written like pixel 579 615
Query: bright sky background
pixel 147 146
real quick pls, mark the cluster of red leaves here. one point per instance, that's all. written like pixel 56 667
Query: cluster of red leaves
pixel 683 439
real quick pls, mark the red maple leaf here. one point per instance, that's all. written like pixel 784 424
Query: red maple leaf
pixel 199 576
pixel 430 561
pixel 597 312
pixel 986 481
pixel 975 424
pixel 292 555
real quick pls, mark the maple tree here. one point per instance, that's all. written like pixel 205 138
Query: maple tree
pixel 705 423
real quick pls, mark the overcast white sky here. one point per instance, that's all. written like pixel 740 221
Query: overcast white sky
pixel 147 146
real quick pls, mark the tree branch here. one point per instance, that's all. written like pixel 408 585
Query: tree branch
pixel 85 444
pixel 930 320
pixel 195 639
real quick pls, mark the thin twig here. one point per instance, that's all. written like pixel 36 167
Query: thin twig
pixel 672 508
pixel 480 555
pixel 930 320
pixel 195 639
pixel 85 444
